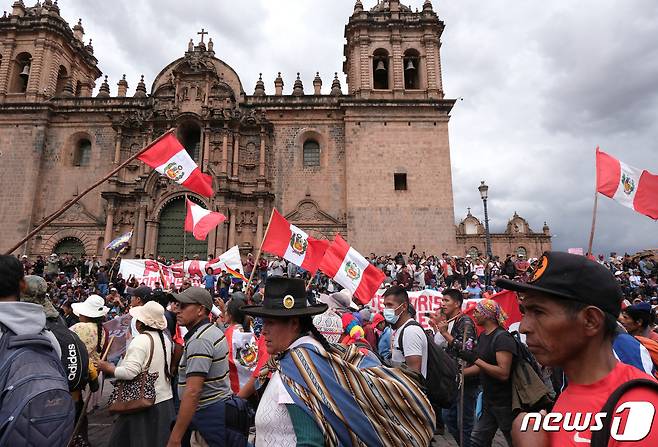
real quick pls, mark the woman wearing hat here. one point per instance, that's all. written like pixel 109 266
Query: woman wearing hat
pixel 307 402
pixel 148 428
pixel 287 323
pixel 91 313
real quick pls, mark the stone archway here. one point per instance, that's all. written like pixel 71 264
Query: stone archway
pixel 70 245
pixel 85 238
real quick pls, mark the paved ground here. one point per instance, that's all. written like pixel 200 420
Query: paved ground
pixel 100 427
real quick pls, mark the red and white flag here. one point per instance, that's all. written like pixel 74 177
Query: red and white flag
pixel 169 158
pixel 289 242
pixel 351 270
pixel 199 221
pixel 632 187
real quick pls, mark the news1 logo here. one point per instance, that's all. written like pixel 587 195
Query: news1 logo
pixel 638 421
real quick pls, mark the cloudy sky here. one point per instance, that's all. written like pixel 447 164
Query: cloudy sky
pixel 543 83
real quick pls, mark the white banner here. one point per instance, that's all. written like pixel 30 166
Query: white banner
pixel 425 302
pixel 149 272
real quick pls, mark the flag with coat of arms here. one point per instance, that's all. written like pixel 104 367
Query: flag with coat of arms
pixel 351 270
pixel 293 244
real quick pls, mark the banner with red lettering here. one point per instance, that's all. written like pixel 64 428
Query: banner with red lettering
pixel 425 302
pixel 149 272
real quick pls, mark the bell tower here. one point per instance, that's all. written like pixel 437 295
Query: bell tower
pixel 393 52
pixel 42 57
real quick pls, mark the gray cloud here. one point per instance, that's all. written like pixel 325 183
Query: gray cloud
pixel 543 85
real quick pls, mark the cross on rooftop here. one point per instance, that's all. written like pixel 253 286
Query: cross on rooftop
pixel 202 33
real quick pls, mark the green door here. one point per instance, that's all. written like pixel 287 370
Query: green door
pixel 173 241
pixel 71 246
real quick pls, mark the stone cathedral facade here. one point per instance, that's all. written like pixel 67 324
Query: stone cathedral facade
pixel 370 160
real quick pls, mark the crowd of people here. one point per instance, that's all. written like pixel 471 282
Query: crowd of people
pixel 292 359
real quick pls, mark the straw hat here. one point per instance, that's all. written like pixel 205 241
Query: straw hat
pixel 92 307
pixel 151 314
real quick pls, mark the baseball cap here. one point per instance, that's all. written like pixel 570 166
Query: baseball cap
pixel 642 307
pixel 194 295
pixel 572 277
pixel 36 288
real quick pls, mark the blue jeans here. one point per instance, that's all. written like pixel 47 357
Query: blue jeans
pixel 451 415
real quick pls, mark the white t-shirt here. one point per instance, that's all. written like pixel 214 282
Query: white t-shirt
pixel 413 343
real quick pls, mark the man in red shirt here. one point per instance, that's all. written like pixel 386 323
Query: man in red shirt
pixel 570 306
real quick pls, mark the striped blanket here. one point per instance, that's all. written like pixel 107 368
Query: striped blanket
pixel 354 399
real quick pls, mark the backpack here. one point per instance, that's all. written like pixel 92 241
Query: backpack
pixel 601 437
pixel 75 357
pixel 441 371
pixel 531 391
pixel 36 407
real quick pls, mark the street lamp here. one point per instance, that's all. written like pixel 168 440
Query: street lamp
pixel 484 193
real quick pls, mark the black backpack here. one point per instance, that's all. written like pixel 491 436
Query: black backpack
pixel 600 438
pixel 442 380
pixel 75 357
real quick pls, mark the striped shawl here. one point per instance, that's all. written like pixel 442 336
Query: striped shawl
pixel 354 399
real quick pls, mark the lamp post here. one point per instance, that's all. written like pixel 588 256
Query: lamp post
pixel 484 193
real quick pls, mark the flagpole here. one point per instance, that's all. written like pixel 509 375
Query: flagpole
pixel 591 234
pixel 115 261
pixel 260 250
pixel 68 205
pixel 184 234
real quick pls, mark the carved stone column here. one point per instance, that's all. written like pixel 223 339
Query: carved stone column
pixel 152 230
pixel 206 149
pixel 224 151
pixel 141 230
pixel 236 153
pixel 259 223
pixel 261 164
pixel 109 225
pixel 233 216
pixel 117 147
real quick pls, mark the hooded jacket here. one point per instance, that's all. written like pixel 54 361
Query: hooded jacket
pixel 26 318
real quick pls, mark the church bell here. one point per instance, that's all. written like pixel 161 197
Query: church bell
pixel 26 71
pixel 380 66
pixel 410 65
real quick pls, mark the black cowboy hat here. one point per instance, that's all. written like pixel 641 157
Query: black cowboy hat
pixel 284 298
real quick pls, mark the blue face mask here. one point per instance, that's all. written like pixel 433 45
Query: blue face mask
pixel 390 315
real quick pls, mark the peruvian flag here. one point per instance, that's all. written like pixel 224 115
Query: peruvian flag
pixel 289 242
pixel 351 270
pixel 199 221
pixel 508 301
pixel 169 158
pixel 632 187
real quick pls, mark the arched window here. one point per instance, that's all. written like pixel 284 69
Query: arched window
pixel 380 69
pixel 521 251
pixel 70 245
pixel 21 73
pixel 82 154
pixel 311 153
pixel 411 69
pixel 62 78
pixel 190 136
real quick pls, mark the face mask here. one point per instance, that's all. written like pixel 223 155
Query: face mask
pixel 390 316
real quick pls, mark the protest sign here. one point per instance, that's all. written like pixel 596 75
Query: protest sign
pixel 424 301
